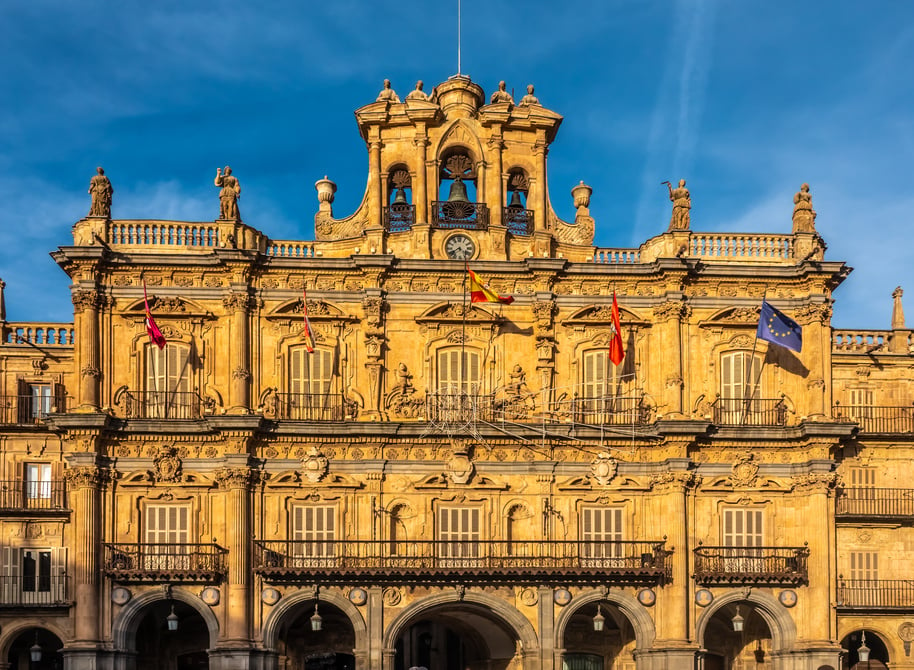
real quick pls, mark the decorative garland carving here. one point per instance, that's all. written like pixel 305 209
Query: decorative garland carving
pixel 90 371
pixel 241 373
pixel 670 310
pixel 816 481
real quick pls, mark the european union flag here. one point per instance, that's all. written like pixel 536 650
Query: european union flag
pixel 776 327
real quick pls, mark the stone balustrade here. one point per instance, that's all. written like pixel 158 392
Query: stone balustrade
pixel 45 334
pixel 740 246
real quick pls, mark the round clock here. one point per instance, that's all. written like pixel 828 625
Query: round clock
pixel 459 247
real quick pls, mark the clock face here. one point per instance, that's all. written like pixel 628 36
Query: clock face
pixel 459 247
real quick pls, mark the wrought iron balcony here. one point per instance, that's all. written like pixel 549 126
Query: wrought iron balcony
pixel 399 217
pixel 457 407
pixel 19 495
pixel 754 412
pixel 875 594
pixel 872 419
pixel 161 404
pixel 35 590
pixel 621 562
pixel 751 565
pixel 460 214
pixel 309 407
pixel 517 220
pixel 611 410
pixel 147 562
pixel 28 410
pixel 872 503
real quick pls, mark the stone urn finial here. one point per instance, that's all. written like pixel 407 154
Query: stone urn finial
pixel 326 190
pixel 581 194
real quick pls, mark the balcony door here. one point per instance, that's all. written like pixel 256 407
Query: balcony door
pixel 744 535
pixel 458 536
pixel 601 537
pixel 313 535
pixel 168 387
pixel 739 390
pixel 166 535
pixel 459 371
pixel 33 575
pixel 38 485
pixel 311 385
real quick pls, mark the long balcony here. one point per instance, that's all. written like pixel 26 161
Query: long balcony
pixel 751 565
pixel 749 412
pixel 162 405
pixel 860 504
pixel 875 594
pixel 460 214
pixel 872 419
pixel 35 591
pixel 621 562
pixel 611 410
pixel 149 562
pixel 309 407
pixel 399 217
pixel 27 497
pixel 28 410
pixel 456 407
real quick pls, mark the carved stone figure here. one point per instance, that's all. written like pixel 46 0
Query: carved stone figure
pixel 529 99
pixel 101 191
pixel 387 94
pixel 518 384
pixel 682 203
pixel 804 218
pixel 228 195
pixel 501 95
pixel 417 94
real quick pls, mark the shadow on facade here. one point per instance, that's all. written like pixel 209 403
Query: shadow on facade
pixel 589 649
pixel 24 645
pixel 726 647
pixel 183 649
pixel 300 647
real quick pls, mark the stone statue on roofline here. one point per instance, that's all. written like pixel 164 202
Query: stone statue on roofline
pixel 101 190
pixel 501 95
pixel 529 99
pixel 804 218
pixel 418 93
pixel 228 195
pixel 387 94
pixel 682 203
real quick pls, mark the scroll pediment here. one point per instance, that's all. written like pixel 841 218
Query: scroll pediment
pixel 318 310
pixel 602 315
pixel 457 312
pixel 163 307
pixel 733 316
pixel 148 478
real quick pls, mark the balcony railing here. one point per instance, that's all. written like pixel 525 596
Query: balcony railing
pixel 28 410
pixel 189 563
pixel 457 407
pixel 875 594
pixel 611 410
pixel 399 217
pixel 517 220
pixel 872 419
pixel 751 565
pixel 309 407
pixel 460 214
pixel 633 562
pixel 34 590
pixel 867 502
pixel 18 495
pixel 162 405
pixel 754 412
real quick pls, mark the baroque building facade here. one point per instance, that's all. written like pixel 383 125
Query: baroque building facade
pixel 417 480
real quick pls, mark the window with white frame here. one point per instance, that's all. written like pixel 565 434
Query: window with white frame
pixel 313 535
pixel 459 533
pixel 166 533
pixel 38 485
pixel 33 575
pixel 742 527
pixel 606 395
pixel 168 382
pixel 459 370
pixel 739 386
pixel 601 536
pixel 312 377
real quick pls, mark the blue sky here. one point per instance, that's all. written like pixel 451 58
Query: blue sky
pixel 744 100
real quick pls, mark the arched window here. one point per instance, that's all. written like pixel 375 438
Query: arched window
pixel 459 371
pixel 168 391
pixel 739 400
pixel 457 192
pixel 399 214
pixel 314 393
pixel 516 217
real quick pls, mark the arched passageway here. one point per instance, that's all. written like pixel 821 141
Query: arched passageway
pixel 596 636
pixel 310 638
pixel 183 646
pixel 737 635
pixel 877 651
pixel 35 649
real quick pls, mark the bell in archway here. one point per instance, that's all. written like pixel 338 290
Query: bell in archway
pixel 400 197
pixel 515 200
pixel 458 192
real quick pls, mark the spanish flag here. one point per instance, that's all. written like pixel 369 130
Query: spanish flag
pixel 480 292
pixel 309 337
pixel 616 351
pixel 151 328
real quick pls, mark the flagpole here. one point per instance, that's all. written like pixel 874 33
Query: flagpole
pixel 463 326
pixel 744 412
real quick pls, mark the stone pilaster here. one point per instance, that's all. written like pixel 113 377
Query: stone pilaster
pixel 84 484
pixel 668 317
pixel 237 302
pixel 85 309
pixel 235 482
pixel 420 193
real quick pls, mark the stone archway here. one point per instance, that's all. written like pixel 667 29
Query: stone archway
pixel 19 642
pixel 455 631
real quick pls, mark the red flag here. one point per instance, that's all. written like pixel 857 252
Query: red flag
pixel 616 352
pixel 309 337
pixel 155 335
pixel 480 292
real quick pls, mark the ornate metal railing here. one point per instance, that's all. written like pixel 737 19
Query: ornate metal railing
pixel 399 217
pixel 740 246
pixel 620 561
pixel 610 410
pixel 45 334
pixel 25 410
pixel 27 496
pixel 875 594
pixel 517 220
pixel 457 407
pixel 459 214
pixel 309 407
pixel 873 419
pixel 751 565
pixel 754 412
pixel 163 233
pixel 144 562
pixel 35 590
pixel 162 405
pixel 873 502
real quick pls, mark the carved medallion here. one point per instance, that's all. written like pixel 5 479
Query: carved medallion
pixel 744 471
pixel 167 465
pixel 315 465
pixel 603 468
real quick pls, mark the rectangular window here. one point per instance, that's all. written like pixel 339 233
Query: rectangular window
pixel 860 404
pixel 42 400
pixel 862 477
pixel 459 371
pixel 742 527
pixel 168 383
pixel 314 535
pixel 36 570
pixel 38 485
pixel 864 566
pixel 601 537
pixel 166 535
pixel 458 536
pixel 311 386
pixel 739 388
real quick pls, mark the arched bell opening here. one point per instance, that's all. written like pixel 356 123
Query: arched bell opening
pixel 35 649
pixel 516 217
pixel 172 634
pixel 457 205
pixel 316 636
pixel 399 213
pixel 737 636
pixel 866 650
pixel 458 636
pixel 598 636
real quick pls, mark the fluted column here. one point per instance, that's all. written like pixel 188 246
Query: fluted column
pixel 237 302
pixel 540 149
pixel 668 317
pixel 496 188
pixel 235 483
pixel 420 193
pixel 84 489
pixel 374 176
pixel 85 310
